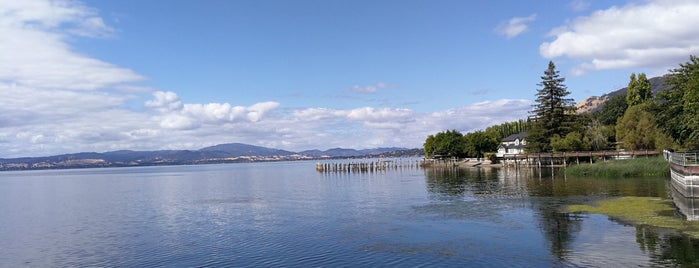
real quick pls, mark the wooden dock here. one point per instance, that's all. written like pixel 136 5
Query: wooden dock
pixel 567 158
pixel 534 159
pixel 367 166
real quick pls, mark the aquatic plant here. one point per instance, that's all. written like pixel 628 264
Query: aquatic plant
pixel 653 211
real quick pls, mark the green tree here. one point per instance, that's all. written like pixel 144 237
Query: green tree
pixel 449 143
pixel 553 114
pixel 597 135
pixel 479 142
pixel 678 107
pixel 509 128
pixel 637 129
pixel 643 88
pixel 429 146
pixel 638 90
pixel 573 141
pixel 632 97
pixel 612 110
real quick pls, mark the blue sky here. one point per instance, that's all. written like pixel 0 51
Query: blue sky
pixel 145 75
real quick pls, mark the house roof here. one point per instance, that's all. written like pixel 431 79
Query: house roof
pixel 521 146
pixel 514 137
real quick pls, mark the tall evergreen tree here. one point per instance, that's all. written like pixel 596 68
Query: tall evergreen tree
pixel 553 114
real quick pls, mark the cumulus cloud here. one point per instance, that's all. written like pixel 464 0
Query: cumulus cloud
pixel 176 115
pixel 656 33
pixel 165 102
pixel 515 26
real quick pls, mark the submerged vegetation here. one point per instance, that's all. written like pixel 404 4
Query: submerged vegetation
pixel 638 167
pixel 651 211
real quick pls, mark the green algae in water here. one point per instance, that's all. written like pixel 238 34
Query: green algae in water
pixel 651 211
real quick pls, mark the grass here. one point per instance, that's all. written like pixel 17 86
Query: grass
pixel 641 210
pixel 638 167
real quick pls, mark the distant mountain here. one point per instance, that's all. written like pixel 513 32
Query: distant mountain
pixel 400 153
pixel 115 158
pixel 380 150
pixel 341 152
pixel 222 153
pixel 594 103
pixel 240 149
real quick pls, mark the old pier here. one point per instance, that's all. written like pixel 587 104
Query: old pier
pixel 567 158
pixel 367 165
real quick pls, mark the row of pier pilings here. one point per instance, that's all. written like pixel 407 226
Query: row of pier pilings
pixel 366 166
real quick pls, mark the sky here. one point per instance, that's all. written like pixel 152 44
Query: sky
pixel 106 75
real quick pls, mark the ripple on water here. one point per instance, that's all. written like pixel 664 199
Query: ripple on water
pixel 222 201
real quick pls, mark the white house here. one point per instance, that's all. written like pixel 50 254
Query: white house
pixel 512 145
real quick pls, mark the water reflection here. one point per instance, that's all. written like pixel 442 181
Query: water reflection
pixel 547 192
pixel 288 215
pixel 490 182
pixel 687 207
pixel 558 228
pixel 667 248
pixel 522 186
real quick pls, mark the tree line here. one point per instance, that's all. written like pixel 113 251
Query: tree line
pixel 637 120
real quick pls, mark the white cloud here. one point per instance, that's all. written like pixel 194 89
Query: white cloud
pixel 657 33
pixel 515 26
pixel 315 114
pixel 33 38
pixel 579 5
pixel 370 114
pixel 56 100
pixel 369 89
pixel 72 16
pixel 165 101
pixel 176 115
pixel 402 127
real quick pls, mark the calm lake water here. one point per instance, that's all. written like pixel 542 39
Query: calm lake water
pixel 285 214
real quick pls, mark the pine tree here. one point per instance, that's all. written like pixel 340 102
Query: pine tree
pixel 553 114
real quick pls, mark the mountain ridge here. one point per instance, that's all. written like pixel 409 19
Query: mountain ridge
pixel 221 153
pixel 594 103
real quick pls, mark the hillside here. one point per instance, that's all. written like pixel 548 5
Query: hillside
pixel 222 153
pixel 594 103
pixel 341 152
pixel 240 149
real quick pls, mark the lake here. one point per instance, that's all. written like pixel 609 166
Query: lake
pixel 286 214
